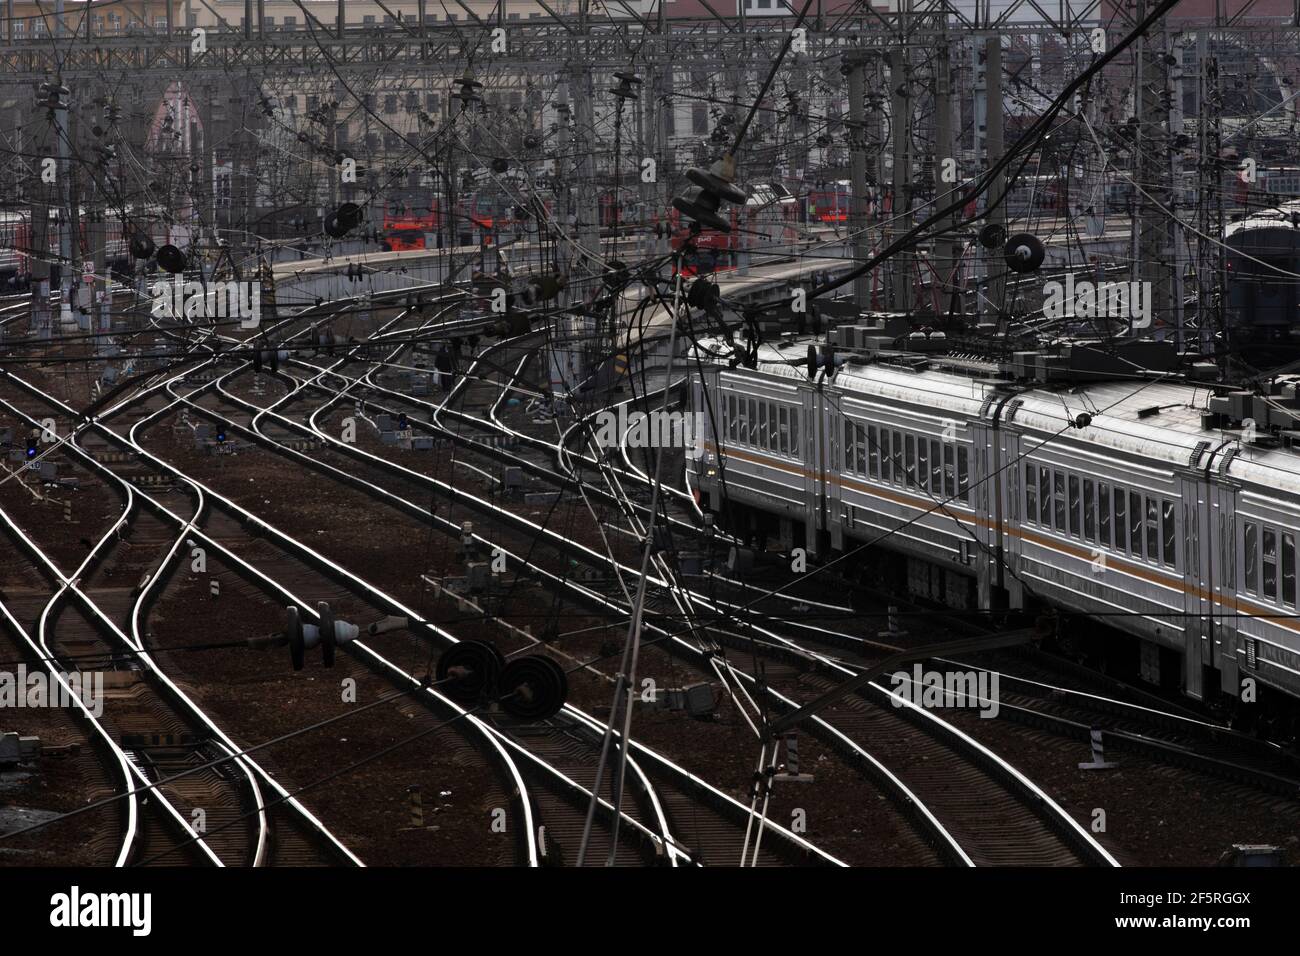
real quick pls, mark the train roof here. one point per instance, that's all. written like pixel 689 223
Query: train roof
pixel 1150 420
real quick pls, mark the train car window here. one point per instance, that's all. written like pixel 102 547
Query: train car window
pixel 1168 533
pixel 1074 505
pixel 863 455
pixel 886 459
pixel 783 433
pixel 1045 497
pixel 1031 494
pixel 936 468
pixel 1103 513
pixel 1270 564
pixel 1058 499
pixel 1135 524
pixel 949 471
pixel 773 433
pixel 794 431
pixel 742 426
pixel 1250 556
pixel 850 434
pixel 873 447
pixel 762 424
pixel 1089 509
pixel 753 422
pixel 963 474
pixel 729 409
pixel 910 449
pixel 898 458
pixel 1120 523
pixel 1153 529
pixel 922 462
pixel 1288 568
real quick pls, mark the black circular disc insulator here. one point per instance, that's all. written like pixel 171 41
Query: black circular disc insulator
pixel 348 215
pixel 478 665
pixel 293 631
pixel 993 235
pixel 1024 253
pixel 533 687
pixel 327 642
pixel 142 247
pixel 500 165
pixel 171 259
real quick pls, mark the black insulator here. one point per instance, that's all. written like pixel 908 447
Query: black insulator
pixel 1024 253
pixel 468 671
pixel 533 687
pixel 172 259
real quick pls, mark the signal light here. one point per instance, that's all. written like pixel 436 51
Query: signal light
pixel 172 259
pixel 1024 253
pixel 31 447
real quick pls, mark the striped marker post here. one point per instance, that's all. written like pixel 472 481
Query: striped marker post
pixel 1099 761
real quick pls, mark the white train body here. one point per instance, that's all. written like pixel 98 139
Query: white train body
pixel 1179 535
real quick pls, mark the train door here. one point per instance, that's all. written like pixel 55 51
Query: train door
pixel 1221 574
pixel 1012 515
pixel 1196 546
pixel 814 460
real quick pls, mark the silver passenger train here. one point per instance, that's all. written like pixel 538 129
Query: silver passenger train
pixel 1108 499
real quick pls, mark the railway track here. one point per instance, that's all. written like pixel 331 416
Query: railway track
pixel 1089 851
pixel 136 426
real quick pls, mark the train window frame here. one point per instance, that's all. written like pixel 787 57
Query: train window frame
pixel 936 468
pixel 1121 519
pixel 963 473
pixel 783 429
pixel 900 474
pixel 909 460
pixel 1090 510
pixel 1169 533
pixel 1288 568
pixel 850 439
pixel 949 470
pixel 1059 502
pixel 763 410
pixel 1031 493
pixel 873 451
pixel 1268 563
pixel 796 450
pixel 1045 496
pixel 1136 524
pixel 1250 557
pixel 886 457
pixel 1103 513
pixel 753 422
pixel 1152 527
pixel 1075 502
pixel 742 422
pixel 923 463
pixel 864 451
